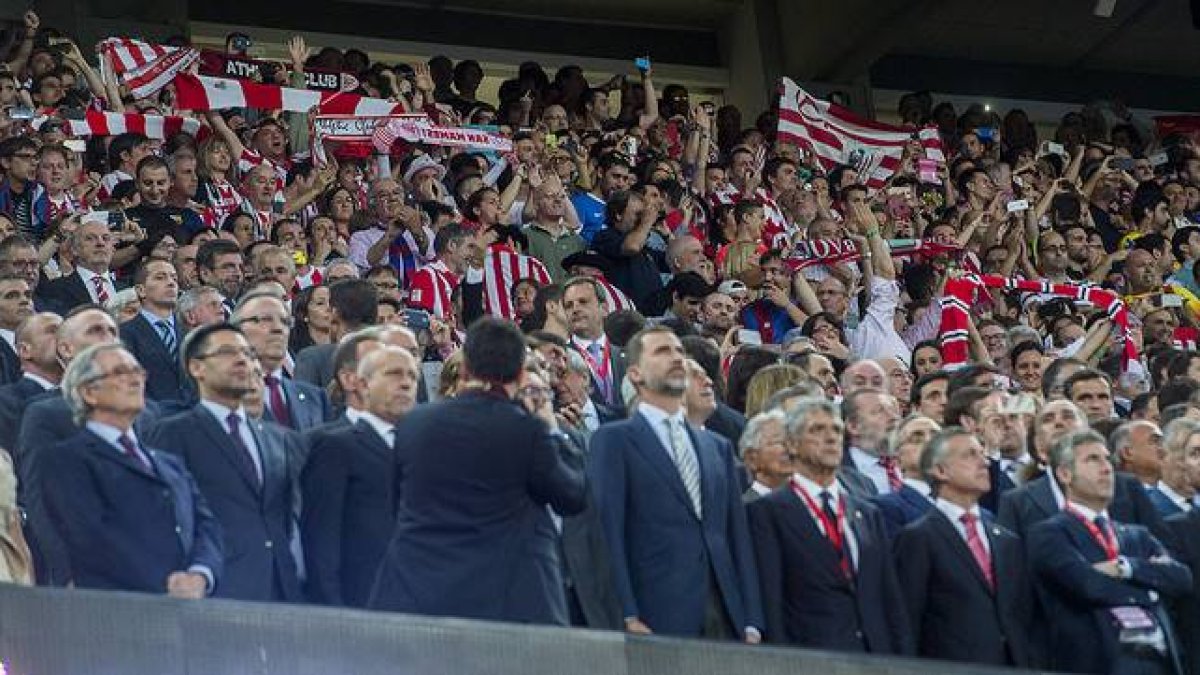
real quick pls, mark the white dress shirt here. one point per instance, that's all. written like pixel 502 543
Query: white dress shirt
pixel 10 337
pixel 955 513
pixel 921 487
pixel 353 415
pixel 657 417
pixel 87 275
pixel 876 336
pixel 385 430
pixel 869 466
pixel 1176 498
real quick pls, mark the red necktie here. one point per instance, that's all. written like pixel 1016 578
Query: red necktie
pixel 888 462
pixel 101 290
pixel 975 543
pixel 279 408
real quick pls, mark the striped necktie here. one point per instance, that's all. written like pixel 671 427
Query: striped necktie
pixel 167 334
pixel 685 462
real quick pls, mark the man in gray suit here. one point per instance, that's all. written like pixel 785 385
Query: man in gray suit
pixel 353 304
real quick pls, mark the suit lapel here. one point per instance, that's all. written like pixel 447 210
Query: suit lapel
pixel 1006 549
pixel 151 334
pixel 1043 495
pixel 710 468
pixel 270 456
pixel 220 437
pixel 296 401
pixel 371 441
pixel 646 441
pixel 805 529
pixel 108 452
pixel 948 531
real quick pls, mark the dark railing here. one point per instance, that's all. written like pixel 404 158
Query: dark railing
pixel 74 632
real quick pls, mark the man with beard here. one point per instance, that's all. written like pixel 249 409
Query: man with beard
pixel 717 313
pixel 684 566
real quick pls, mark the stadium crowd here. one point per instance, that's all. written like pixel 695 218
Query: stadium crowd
pixel 660 371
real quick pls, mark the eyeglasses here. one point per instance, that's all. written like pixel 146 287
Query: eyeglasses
pixel 228 352
pixel 120 371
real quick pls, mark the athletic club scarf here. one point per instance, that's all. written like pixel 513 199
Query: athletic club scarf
pixel 960 297
pixel 832 251
pixel 214 93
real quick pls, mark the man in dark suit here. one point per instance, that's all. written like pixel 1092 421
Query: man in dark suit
pixel 353 305
pixel 131 517
pixel 92 282
pixel 671 504
pixel 582 300
pixel 16 305
pixel 47 420
pixel 1041 497
pixel 348 484
pixel 964 578
pixel 914 498
pixel 153 336
pixel 246 478
pixel 1181 467
pixel 36 341
pixel 1176 490
pixel 474 537
pixel 1101 581
pixel 265 321
pixel 828 579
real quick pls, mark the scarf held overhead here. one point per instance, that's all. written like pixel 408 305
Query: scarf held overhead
pixel 960 296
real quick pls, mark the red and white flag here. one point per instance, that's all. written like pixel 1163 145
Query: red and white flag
pixel 143 67
pixel 931 141
pixel 838 136
pixel 502 269
pixel 159 127
pixel 214 93
pixel 615 299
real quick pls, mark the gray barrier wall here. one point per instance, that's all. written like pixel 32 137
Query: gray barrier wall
pixel 74 632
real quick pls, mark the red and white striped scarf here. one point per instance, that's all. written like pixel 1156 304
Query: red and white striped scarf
pixel 159 127
pixel 960 297
pixel 502 269
pixel 812 252
pixel 143 67
pixel 431 288
pixel 197 92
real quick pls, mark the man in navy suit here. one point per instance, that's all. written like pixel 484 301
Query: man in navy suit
pixel 964 577
pixel 914 499
pixel 582 301
pixel 1176 490
pixel 41 370
pixel 1102 582
pixel 671 503
pixel 131 517
pixel 265 320
pixel 475 475
pixel 1042 497
pixel 246 477
pixel 153 336
pixel 828 579
pixel 16 305
pixel 982 411
pixel 348 483
pixel 92 282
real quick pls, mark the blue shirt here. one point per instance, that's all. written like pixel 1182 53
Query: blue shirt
pixel 778 322
pixel 591 210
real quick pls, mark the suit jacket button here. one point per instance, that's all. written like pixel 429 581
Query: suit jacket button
pixel 269 544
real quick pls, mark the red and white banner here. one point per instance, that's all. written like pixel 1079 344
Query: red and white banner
pixel 143 67
pixel 382 131
pixel 159 127
pixel 931 140
pixel 808 253
pixel 220 64
pixel 502 269
pixel 215 93
pixel 837 136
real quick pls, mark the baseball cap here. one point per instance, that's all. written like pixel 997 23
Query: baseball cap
pixel 731 286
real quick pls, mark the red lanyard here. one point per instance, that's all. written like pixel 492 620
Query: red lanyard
pixel 599 369
pixel 1106 539
pixel 765 327
pixel 832 530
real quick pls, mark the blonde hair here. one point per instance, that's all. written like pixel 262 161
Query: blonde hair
pixel 767 381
